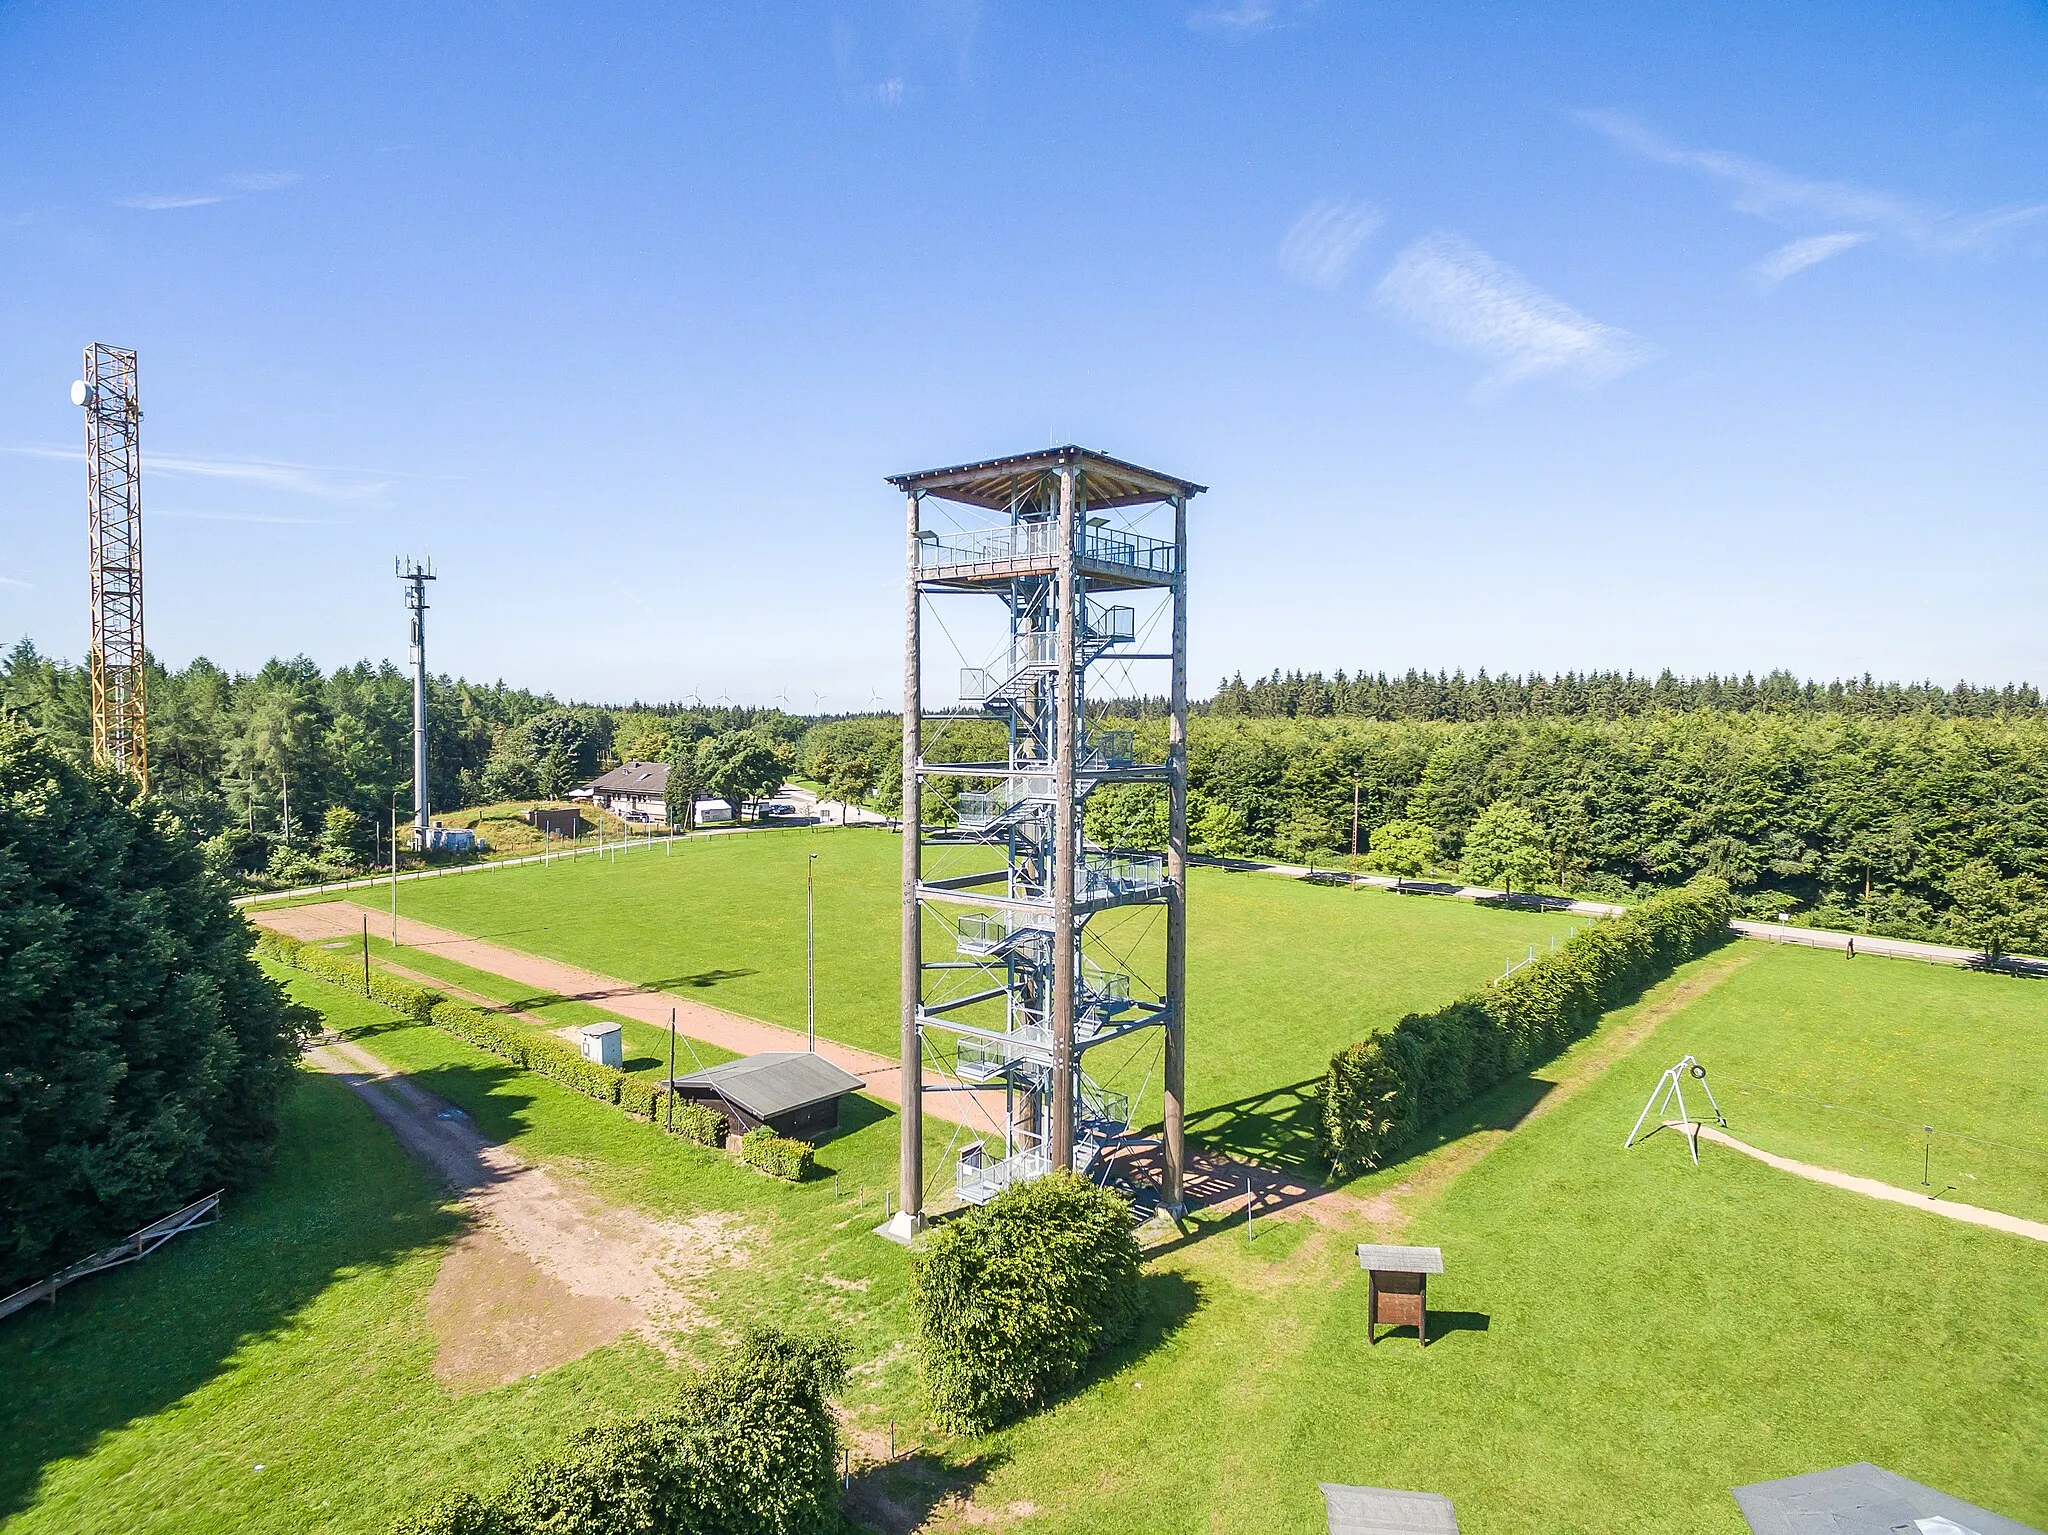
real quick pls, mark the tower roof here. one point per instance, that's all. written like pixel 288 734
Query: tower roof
pixel 1001 483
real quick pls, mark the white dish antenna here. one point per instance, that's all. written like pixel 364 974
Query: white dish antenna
pixel 80 391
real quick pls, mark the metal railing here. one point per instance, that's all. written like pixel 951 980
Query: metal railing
pixel 1029 541
pixel 1109 749
pixel 987 934
pixel 201 1212
pixel 979 1179
pixel 1105 876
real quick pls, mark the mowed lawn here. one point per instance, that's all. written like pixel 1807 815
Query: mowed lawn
pixel 1845 1062
pixel 1281 973
pixel 274 1371
pixel 1621 1339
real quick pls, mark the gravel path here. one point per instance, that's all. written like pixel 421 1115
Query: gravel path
pixel 547 1270
pixel 1996 1220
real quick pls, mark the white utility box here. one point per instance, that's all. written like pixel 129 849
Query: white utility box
pixel 603 1044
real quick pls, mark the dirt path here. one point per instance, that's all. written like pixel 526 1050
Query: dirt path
pixel 1975 1215
pixel 547 1271
pixel 978 1111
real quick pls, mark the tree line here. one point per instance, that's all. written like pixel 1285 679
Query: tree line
pixel 1453 697
pixel 1919 826
pixel 1911 811
pixel 288 773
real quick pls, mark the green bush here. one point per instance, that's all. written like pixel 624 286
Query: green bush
pixel 698 1124
pixel 1009 1301
pixel 639 1096
pixel 761 1147
pixel 142 1052
pixel 1380 1092
pixel 749 1448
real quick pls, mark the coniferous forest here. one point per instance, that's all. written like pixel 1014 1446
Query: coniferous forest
pixel 1909 810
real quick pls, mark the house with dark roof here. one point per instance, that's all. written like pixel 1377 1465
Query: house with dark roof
pixel 792 1092
pixel 633 791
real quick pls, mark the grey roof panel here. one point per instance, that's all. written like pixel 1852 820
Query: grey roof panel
pixel 1862 1500
pixel 632 778
pixel 1401 1260
pixel 776 1081
pixel 1383 1511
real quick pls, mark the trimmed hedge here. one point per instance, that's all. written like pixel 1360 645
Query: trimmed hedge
pixel 415 1002
pixel 1011 1300
pixel 761 1147
pixel 1380 1092
pixel 550 1057
pixel 700 1125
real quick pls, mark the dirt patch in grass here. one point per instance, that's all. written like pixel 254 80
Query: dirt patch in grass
pixel 549 1271
pixel 497 1315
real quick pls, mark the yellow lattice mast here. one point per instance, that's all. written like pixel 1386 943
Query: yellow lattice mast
pixel 113 469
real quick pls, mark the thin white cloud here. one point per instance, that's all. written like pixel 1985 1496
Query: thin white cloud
pixel 248 184
pixel 1453 293
pixel 1798 255
pixel 320 481
pixel 159 204
pixel 299 479
pixel 1325 240
pixel 890 92
pixel 26 586
pixel 1786 198
pixel 1244 16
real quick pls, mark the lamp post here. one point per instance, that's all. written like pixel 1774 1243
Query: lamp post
pixel 394 867
pixel 810 956
pixel 1357 784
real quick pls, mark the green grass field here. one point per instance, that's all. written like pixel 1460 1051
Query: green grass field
pixel 646 1047
pixel 1843 1062
pixel 1281 973
pixel 1624 1339
pixel 1621 1337
pixel 292 1335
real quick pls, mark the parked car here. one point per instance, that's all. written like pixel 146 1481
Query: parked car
pixel 772 808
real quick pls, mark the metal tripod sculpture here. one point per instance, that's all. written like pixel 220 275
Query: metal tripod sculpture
pixel 1671 1086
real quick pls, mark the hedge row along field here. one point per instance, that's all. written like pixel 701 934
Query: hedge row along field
pixel 1380 1092
pixel 539 1054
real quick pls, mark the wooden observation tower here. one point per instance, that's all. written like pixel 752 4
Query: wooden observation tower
pixel 1007 988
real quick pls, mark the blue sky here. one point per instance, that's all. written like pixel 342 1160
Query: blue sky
pixel 1568 336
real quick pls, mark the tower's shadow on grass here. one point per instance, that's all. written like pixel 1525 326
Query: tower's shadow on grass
pixel 342 1199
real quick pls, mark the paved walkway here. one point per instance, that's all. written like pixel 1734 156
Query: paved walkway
pixel 1890 948
pixel 978 1110
pixel 1769 932
pixel 1975 1215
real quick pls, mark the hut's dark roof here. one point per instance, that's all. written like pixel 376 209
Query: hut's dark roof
pixel 1862 1500
pixel 775 1082
pixel 1002 483
pixel 632 778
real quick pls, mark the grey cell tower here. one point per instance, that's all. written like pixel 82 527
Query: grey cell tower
pixel 113 509
pixel 416 575
pixel 1026 992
